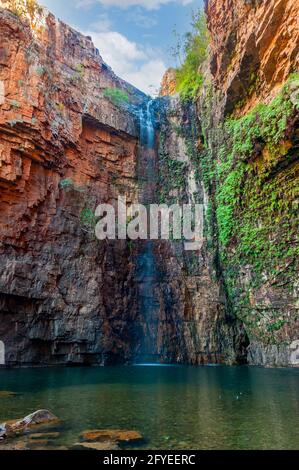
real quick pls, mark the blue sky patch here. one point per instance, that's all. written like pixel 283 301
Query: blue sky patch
pixel 133 36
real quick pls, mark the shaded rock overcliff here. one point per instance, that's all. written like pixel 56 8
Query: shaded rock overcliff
pixel 202 329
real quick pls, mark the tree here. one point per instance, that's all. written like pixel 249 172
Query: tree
pixel 191 53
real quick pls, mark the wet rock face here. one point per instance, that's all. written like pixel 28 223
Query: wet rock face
pixel 254 47
pixel 195 325
pixel 64 148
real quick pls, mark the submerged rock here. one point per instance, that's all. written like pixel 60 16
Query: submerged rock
pixel 5 394
pixel 109 435
pixel 107 445
pixel 44 435
pixel 38 444
pixel 40 417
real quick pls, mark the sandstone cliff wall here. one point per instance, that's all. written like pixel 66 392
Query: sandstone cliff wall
pixel 64 148
pixel 65 297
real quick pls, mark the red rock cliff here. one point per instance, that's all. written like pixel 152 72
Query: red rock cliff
pixel 64 147
pixel 254 47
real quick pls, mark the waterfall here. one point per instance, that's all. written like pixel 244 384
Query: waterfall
pixel 147 162
pixel 147 276
pixel 147 124
pixel 2 353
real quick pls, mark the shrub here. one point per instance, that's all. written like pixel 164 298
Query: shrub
pixel 15 104
pixel 66 183
pixel 116 96
pixel 191 51
pixel 88 219
pixel 80 69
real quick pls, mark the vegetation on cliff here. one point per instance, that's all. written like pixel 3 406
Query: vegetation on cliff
pixel 191 52
pixel 254 187
pixel 28 9
pixel 116 96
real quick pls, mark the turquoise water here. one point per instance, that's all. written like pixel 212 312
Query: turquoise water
pixel 173 407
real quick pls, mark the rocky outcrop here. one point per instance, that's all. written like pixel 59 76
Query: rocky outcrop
pixel 168 84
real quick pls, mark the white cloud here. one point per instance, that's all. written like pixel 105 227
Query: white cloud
pixel 116 48
pixel 148 4
pixel 148 76
pixel 103 23
pixel 140 19
pixel 136 64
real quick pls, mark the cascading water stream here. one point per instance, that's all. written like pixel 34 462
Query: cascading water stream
pixel 146 265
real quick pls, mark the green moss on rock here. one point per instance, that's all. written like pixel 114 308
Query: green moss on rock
pixel 257 215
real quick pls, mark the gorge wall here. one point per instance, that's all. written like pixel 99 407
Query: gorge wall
pixel 66 146
pixel 248 111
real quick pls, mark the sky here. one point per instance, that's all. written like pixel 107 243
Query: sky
pixel 134 37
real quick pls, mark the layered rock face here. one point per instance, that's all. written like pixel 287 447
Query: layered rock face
pixel 168 85
pixel 64 148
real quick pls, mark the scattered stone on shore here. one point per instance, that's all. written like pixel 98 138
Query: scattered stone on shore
pixel 13 428
pixel 109 435
pixel 6 394
pixel 107 445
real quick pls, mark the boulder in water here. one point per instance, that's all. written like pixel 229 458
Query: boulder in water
pixel 5 394
pixel 108 445
pixel 38 418
pixel 44 435
pixel 110 435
